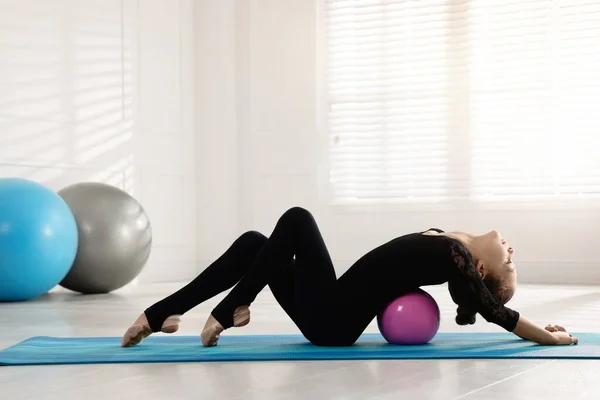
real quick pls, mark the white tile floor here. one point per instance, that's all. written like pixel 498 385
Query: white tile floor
pixel 65 314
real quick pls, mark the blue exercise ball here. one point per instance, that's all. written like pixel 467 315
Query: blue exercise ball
pixel 38 239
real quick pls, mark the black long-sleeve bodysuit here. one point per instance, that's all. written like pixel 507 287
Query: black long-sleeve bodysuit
pixel 296 265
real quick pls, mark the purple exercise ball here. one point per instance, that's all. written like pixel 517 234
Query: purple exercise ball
pixel 413 318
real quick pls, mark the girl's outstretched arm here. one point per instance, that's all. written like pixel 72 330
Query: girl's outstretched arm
pixel 551 335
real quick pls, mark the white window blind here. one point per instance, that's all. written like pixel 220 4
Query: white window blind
pixel 432 100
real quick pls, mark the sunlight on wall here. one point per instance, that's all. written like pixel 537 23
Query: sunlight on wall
pixel 66 91
pixel 119 174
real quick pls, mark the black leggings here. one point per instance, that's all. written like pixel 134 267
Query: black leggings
pixel 296 265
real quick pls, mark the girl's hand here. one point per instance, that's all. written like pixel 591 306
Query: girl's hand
pixel 561 335
pixel 550 336
pixel 555 328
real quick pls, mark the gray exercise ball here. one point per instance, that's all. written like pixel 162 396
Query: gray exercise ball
pixel 115 238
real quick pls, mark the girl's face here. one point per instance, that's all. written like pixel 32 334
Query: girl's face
pixel 496 257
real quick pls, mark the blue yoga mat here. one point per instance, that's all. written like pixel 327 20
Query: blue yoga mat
pixel 162 349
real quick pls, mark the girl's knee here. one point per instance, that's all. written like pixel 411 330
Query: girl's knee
pixel 252 239
pixel 297 214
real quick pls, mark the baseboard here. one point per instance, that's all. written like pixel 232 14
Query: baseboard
pixel 159 272
pixel 565 272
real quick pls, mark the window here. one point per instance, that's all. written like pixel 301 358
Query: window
pixel 485 100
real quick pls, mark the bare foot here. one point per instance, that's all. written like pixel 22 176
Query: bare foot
pixel 140 329
pixel 212 329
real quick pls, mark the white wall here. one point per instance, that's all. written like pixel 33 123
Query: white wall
pixel 207 112
pixel 102 90
pixel 216 127
pixel 280 158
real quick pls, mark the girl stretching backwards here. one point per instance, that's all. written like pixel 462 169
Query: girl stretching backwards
pixel 296 265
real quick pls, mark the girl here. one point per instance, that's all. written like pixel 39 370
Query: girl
pixel 296 265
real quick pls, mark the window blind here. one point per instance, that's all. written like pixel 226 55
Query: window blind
pixel 432 100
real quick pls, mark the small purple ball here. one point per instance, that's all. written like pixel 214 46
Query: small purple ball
pixel 413 318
